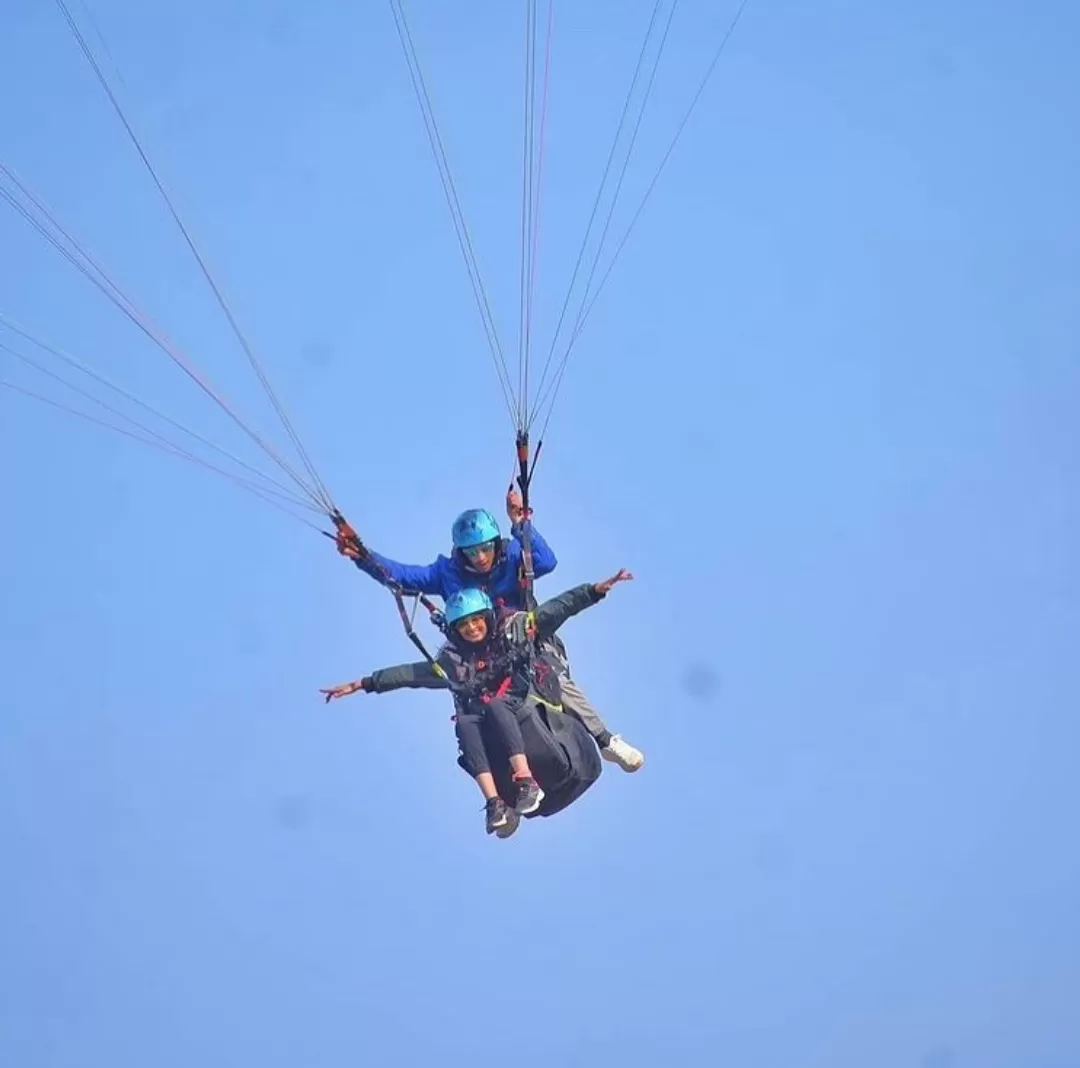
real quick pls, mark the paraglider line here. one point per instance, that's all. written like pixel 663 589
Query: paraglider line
pixel 667 155
pixel 321 492
pixel 625 167
pixel 127 395
pixel 528 149
pixel 641 206
pixel 450 191
pixel 599 194
pixel 169 447
pixel 534 256
pixel 100 278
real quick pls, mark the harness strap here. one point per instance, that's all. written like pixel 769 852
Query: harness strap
pixel 524 480
pixel 501 691
pixel 346 537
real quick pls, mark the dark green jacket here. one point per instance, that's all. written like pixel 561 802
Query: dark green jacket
pixel 471 671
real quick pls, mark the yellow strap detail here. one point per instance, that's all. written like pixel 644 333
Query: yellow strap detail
pixel 533 696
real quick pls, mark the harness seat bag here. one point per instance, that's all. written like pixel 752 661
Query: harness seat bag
pixel 561 752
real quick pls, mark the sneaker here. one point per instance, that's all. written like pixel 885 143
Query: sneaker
pixel 497 814
pixel 619 752
pixel 529 796
pixel 513 821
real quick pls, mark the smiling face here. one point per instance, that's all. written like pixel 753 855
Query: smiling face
pixel 481 557
pixel 473 629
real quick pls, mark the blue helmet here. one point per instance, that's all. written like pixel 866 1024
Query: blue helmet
pixel 465 603
pixel 474 527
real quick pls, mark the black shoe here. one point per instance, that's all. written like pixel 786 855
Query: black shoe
pixel 497 814
pixel 513 821
pixel 529 796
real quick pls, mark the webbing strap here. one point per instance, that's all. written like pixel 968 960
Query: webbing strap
pixel 524 479
pixel 346 536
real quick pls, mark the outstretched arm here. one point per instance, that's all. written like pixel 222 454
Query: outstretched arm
pixel 418 676
pixel 412 578
pixel 552 614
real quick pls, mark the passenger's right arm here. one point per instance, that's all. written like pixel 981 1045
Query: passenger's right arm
pixel 418 676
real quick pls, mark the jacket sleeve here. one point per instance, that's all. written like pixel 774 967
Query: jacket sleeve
pixel 415 578
pixel 552 614
pixel 417 676
pixel 544 561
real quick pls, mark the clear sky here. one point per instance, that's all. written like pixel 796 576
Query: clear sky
pixel 826 411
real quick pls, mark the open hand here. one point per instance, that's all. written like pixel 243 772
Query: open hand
pixel 608 585
pixel 343 690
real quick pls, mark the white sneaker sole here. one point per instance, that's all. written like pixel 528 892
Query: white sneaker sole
pixel 609 756
pixel 533 807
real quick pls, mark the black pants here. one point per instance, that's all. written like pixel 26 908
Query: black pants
pixel 502 729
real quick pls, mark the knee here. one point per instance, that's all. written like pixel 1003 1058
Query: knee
pixel 472 757
pixel 471 752
pixel 473 764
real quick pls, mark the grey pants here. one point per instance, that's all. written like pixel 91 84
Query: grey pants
pixel 574 700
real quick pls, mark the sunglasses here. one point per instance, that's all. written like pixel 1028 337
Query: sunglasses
pixel 473 551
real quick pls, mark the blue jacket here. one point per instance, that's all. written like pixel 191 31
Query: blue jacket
pixel 448 574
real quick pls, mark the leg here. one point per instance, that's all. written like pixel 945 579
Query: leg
pixel 611 746
pixel 486 781
pixel 577 704
pixel 574 701
pixel 474 759
pixel 502 714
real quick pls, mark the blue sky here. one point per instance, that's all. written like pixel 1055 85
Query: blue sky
pixel 826 412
